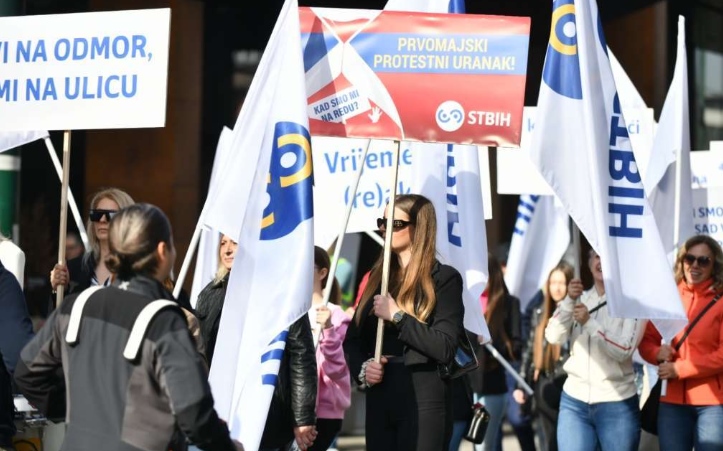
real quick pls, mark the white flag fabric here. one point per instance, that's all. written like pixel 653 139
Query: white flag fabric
pixel 672 142
pixel 207 254
pixel 271 281
pixel 539 241
pixel 11 140
pixel 450 178
pixel 581 146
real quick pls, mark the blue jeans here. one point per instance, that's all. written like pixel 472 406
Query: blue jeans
pixel 520 421
pixel 682 427
pixel 458 430
pixel 496 405
pixel 610 426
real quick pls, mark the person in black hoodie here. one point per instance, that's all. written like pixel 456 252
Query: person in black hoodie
pixel 131 371
pixel 409 406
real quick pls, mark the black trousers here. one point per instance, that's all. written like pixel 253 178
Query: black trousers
pixel 327 429
pixel 411 410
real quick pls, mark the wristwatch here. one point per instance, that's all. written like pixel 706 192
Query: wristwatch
pixel 397 317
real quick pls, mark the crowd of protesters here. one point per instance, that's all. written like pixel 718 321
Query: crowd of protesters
pixel 125 364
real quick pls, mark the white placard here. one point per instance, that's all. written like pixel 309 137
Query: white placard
pixel 336 163
pixel 84 71
pixel 708 212
pixel 707 167
pixel 517 175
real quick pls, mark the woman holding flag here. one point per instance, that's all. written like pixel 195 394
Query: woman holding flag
pixel 691 412
pixel 599 403
pixel 329 324
pixel 409 406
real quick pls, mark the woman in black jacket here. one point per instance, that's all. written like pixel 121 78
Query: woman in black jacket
pixel 129 362
pixel 292 413
pixel 409 406
pixel 210 299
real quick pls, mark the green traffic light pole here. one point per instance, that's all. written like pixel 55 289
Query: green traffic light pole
pixel 9 163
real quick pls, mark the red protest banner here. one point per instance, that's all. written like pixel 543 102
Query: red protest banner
pixel 455 78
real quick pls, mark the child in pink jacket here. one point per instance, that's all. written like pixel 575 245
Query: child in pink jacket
pixel 329 324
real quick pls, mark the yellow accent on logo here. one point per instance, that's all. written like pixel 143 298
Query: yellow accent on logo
pixel 565 49
pixel 301 141
pixel 267 221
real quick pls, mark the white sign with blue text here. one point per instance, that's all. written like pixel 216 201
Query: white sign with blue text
pixel 336 164
pixel 84 71
pixel 517 175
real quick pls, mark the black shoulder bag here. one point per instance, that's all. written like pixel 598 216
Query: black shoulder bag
pixel 649 412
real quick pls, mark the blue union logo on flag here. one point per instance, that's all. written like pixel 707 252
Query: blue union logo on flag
pixel 562 64
pixel 289 183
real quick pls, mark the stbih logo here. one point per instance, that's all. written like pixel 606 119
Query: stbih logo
pixel 450 116
pixel 562 65
pixel 289 181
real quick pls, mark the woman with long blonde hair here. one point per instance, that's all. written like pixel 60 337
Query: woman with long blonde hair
pixel 409 406
pixel 211 298
pixel 542 361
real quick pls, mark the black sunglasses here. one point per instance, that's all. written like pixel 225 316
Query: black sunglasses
pixel 397 224
pixel 96 215
pixel 702 260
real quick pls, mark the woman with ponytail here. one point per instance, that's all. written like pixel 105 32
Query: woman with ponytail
pixel 130 367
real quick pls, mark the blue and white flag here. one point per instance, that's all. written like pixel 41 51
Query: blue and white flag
pixel 207 256
pixel 450 178
pixel 271 281
pixel 11 140
pixel 672 142
pixel 581 146
pixel 539 241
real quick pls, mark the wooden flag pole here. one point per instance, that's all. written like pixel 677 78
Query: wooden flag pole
pixel 63 211
pixel 388 248
pixel 71 199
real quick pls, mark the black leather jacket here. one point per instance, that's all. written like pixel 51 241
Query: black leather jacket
pixel 294 400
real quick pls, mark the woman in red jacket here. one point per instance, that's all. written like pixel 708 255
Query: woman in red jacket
pixel 691 412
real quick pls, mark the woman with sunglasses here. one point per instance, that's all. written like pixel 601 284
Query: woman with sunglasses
pixel 90 269
pixel 409 406
pixel 691 412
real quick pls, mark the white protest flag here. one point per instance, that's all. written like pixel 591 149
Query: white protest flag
pixel 11 140
pixel 207 255
pixel 449 176
pixel 672 142
pixel 580 145
pixel 539 240
pixel 271 281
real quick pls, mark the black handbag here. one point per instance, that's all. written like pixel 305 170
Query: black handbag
pixel 477 428
pixel 465 360
pixel 649 412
